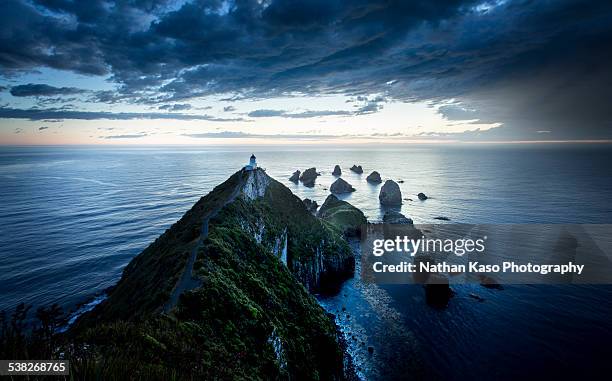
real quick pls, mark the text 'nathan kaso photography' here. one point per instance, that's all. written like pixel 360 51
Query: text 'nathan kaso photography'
pixel 305 190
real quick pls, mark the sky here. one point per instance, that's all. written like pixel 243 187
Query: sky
pixel 288 71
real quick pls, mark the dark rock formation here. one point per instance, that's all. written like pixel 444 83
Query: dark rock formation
pixel 438 291
pixel 311 205
pixel 442 218
pixel 309 176
pixel 295 177
pixel 393 217
pixel 488 282
pixel 357 169
pixel 340 186
pixel 422 196
pixel 337 171
pixel 342 215
pixel 390 193
pixel 374 177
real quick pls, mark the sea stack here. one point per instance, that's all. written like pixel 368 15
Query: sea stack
pixel 309 176
pixel 295 177
pixel 374 178
pixel 340 186
pixel 390 194
pixel 422 196
pixel 393 217
pixel 357 169
pixel 337 171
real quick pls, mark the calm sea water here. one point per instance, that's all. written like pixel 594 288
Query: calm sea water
pixel 71 218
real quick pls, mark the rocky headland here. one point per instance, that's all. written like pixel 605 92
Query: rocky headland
pixel 251 252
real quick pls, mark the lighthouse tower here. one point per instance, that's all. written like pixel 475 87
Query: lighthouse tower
pixel 252 163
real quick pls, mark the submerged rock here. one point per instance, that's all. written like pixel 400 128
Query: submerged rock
pixel 295 177
pixel 441 218
pixel 374 177
pixel 309 176
pixel 340 186
pixel 393 217
pixel 422 196
pixel 342 215
pixel 390 194
pixel 337 171
pixel 357 169
pixel 311 205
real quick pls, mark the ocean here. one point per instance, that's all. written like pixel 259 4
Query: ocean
pixel 72 217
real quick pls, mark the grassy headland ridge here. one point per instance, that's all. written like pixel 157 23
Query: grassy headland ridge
pixel 251 316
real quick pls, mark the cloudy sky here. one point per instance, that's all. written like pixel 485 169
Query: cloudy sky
pixel 201 71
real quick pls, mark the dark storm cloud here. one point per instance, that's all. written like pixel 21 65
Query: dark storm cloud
pixel 42 90
pixel 176 107
pixel 532 65
pixel 295 115
pixel 52 113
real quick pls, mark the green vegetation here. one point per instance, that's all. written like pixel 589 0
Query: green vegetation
pixel 148 279
pixel 342 215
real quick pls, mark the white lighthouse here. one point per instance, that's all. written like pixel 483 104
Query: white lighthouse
pixel 252 163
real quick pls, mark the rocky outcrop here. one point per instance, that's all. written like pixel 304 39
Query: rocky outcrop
pixel 438 291
pixel 295 176
pixel 357 169
pixel 343 216
pixel 309 176
pixel 374 178
pixel 390 194
pixel 422 196
pixel 255 185
pixel 340 186
pixel 311 205
pixel 393 217
pixel 337 171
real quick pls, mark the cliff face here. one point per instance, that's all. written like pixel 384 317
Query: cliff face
pixel 248 314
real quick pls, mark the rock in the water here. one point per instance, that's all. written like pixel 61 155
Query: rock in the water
pixel 309 176
pixel 390 194
pixel 357 169
pixel 438 291
pixel 422 196
pixel 342 215
pixel 374 177
pixel 489 282
pixel 337 171
pixel 392 217
pixel 340 186
pixel 442 218
pixel 475 296
pixel 311 205
pixel 295 177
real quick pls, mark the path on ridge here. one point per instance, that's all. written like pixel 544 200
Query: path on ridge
pixel 187 282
